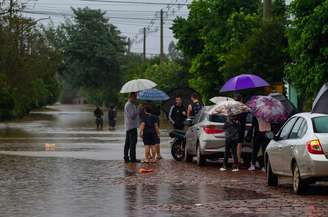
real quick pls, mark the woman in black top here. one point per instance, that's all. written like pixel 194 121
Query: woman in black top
pixel 149 132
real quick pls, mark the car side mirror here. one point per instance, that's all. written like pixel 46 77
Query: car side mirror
pixel 188 122
pixel 276 137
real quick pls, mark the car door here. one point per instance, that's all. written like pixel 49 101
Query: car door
pixel 275 154
pixel 288 146
pixel 192 134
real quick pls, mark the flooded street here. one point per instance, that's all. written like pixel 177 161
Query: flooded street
pixel 83 175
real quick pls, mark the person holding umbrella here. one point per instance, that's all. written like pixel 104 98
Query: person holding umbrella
pixel 232 130
pixel 153 95
pixel 131 122
pixel 230 109
pixel 131 116
pixel 265 110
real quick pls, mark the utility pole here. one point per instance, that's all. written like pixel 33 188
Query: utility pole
pixel 144 44
pixel 11 8
pixel 267 10
pixel 129 46
pixel 161 38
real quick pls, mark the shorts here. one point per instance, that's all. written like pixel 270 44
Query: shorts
pixel 150 139
pixel 158 140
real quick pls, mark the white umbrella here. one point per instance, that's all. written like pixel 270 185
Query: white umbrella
pixel 137 85
pixel 219 99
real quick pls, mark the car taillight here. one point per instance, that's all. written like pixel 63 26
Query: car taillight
pixel 211 129
pixel 314 147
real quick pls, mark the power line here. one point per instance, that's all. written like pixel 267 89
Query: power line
pixel 70 14
pixel 136 2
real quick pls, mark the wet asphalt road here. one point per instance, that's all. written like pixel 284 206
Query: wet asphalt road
pixel 83 175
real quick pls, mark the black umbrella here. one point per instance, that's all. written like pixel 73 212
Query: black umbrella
pixel 320 104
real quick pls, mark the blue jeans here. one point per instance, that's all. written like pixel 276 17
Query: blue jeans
pixel 233 146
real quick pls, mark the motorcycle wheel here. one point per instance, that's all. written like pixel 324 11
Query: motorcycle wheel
pixel 177 151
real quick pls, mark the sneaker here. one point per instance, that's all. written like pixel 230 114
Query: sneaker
pixel 222 169
pixel 235 170
pixel 135 161
pixel 251 168
pixel 263 169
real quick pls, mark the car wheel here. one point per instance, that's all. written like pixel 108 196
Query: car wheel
pixel 200 159
pixel 272 179
pixel 188 157
pixel 299 184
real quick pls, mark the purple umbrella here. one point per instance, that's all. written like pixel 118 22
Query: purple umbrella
pixel 244 81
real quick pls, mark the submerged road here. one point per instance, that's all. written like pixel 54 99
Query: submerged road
pixel 83 175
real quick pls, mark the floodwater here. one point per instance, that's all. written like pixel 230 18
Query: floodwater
pixel 81 172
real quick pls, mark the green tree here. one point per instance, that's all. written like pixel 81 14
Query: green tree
pixel 211 30
pixel 92 50
pixel 28 65
pixel 264 52
pixel 308 46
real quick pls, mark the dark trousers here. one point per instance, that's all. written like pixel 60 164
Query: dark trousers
pixel 178 126
pixel 130 144
pixel 260 141
pixel 230 145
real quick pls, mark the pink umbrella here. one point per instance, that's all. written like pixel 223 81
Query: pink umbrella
pixel 267 108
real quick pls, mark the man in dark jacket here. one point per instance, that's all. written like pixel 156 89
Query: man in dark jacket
pixel 177 114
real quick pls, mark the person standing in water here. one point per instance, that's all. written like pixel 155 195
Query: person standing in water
pixel 178 114
pixel 99 117
pixel 149 132
pixel 131 122
pixel 112 117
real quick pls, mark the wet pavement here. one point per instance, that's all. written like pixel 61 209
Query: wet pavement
pixel 83 175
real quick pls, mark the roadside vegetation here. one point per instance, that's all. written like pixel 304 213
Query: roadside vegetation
pixel 219 39
pixel 28 65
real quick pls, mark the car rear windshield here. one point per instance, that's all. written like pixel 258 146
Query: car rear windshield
pixel 216 118
pixel 320 124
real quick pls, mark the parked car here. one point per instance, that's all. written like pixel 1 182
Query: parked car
pixel 299 150
pixel 205 138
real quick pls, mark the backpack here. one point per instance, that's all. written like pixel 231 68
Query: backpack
pixel 196 108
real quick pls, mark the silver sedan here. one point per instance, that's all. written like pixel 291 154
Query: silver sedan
pixel 205 138
pixel 299 150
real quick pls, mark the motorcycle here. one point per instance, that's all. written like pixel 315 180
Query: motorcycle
pixel 178 144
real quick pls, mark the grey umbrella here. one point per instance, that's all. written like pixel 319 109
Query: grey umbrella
pixel 320 104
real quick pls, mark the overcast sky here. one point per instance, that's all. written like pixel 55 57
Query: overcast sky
pixel 129 18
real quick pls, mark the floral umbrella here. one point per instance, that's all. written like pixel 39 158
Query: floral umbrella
pixel 267 108
pixel 229 108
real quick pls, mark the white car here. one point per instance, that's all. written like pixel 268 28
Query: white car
pixel 299 150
